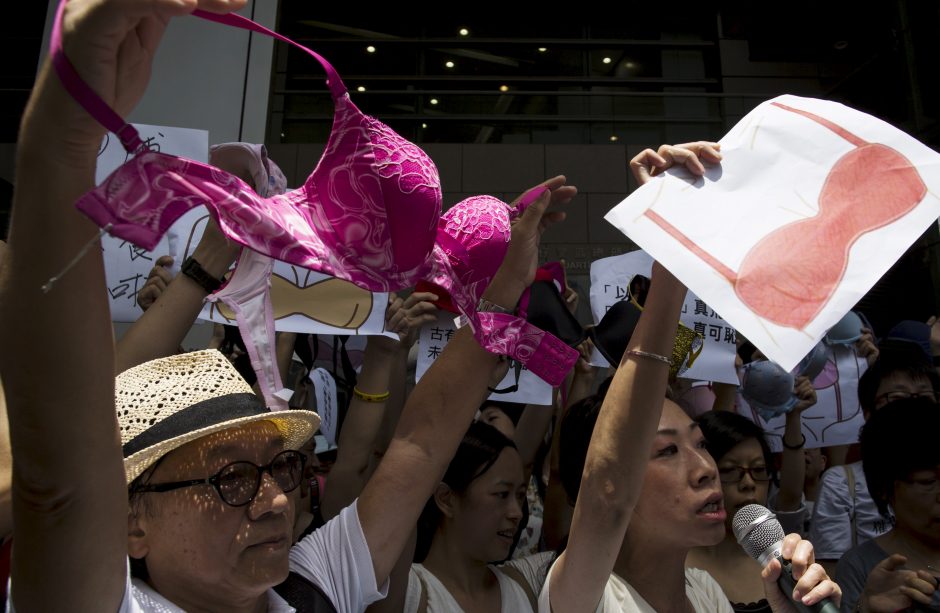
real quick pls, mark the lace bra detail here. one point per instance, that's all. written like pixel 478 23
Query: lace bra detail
pixel 368 213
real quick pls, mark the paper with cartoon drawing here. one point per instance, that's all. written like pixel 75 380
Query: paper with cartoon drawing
pixel 811 205
pixel 304 300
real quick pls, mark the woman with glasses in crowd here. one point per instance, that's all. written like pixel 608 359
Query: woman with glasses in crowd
pixel 899 569
pixel 746 471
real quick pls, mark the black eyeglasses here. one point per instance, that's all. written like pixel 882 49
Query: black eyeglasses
pixel 734 474
pixel 238 483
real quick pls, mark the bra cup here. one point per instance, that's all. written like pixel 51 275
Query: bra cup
pixel 481 225
pixel 814 252
pixel 368 220
pixel 411 189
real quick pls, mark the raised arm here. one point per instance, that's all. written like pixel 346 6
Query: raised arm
pixel 366 412
pixel 629 417
pixel 442 405
pixel 793 464
pixel 164 325
pixel 69 489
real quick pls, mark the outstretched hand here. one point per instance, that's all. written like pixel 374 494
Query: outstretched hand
pixel 517 271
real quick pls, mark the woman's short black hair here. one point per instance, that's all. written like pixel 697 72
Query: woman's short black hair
pixel 725 430
pixel 897 440
pixel 476 454
pixel 910 363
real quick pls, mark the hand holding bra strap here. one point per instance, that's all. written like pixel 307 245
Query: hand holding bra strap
pixel 109 118
pixel 86 96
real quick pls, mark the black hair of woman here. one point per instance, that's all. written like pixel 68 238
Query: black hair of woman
pixel 478 451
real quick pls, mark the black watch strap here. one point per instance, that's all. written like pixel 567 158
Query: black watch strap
pixel 195 271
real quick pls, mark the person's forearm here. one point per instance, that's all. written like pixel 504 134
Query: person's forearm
pixel 161 329
pixel 54 329
pixel 397 389
pixel 725 394
pixel 69 490
pixel 629 417
pixel 360 428
pixel 581 386
pixel 792 466
pixel 531 432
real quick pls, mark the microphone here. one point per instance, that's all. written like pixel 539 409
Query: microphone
pixel 761 535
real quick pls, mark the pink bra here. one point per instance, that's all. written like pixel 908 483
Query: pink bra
pixel 367 213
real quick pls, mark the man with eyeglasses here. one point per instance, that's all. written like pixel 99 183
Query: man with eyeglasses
pixel 845 515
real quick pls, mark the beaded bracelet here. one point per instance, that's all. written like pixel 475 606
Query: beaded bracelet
pixel 370 397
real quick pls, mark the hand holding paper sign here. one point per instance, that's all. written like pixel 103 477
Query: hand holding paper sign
pixel 781 242
pixel 649 163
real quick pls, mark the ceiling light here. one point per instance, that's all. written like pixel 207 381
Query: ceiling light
pixel 543 49
pixel 606 60
pixel 370 49
pixel 464 32
pixel 504 88
pixel 361 88
pixel 449 64
pixel 614 138
pixel 433 100
pixel 425 126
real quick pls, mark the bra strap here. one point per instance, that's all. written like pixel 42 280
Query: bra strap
pixel 86 96
pixel 107 116
pixel 336 85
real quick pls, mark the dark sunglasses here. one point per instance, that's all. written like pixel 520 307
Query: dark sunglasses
pixel 238 483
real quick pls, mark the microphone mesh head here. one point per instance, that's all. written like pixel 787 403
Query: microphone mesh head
pixel 758 531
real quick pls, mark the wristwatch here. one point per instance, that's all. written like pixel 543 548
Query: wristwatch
pixel 485 306
pixel 194 270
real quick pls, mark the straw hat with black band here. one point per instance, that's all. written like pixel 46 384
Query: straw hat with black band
pixel 164 404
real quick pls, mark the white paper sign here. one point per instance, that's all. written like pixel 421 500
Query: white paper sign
pixel 304 300
pixel 836 418
pixel 324 388
pixel 609 280
pixel 811 205
pixel 126 265
pixel 435 336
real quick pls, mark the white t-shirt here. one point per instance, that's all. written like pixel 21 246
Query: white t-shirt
pixel 831 528
pixel 513 596
pixel 335 557
pixel 619 596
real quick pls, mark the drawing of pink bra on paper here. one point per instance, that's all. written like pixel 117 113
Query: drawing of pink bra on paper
pixel 791 273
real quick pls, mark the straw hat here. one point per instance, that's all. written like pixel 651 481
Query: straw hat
pixel 164 404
